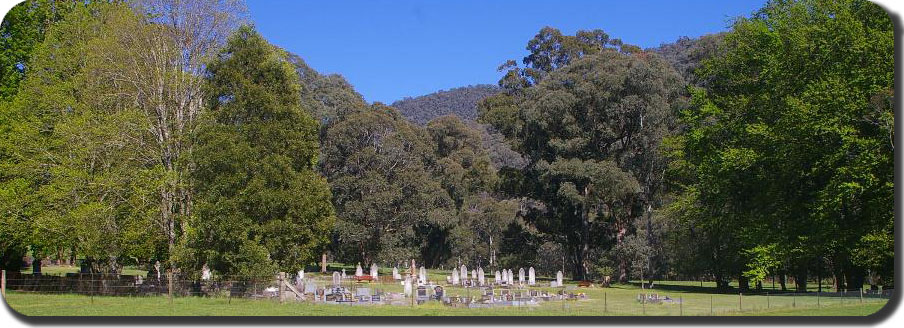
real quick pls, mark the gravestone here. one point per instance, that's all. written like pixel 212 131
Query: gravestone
pixel 205 272
pixel 481 280
pixel 299 278
pixel 358 271
pixel 438 293
pixel 504 278
pixel 421 293
pixel 157 269
pixel 559 278
pixel 337 278
pixel 531 277
pixel 344 276
pixel 395 274
pixel 521 276
pixel 455 277
pixel 309 288
pixel 497 277
pixel 374 271
pixel 511 277
pixel 423 276
pixel 407 286
pixel 473 275
pixel 464 273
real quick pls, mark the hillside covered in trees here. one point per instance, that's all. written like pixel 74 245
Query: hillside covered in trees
pixel 461 102
pixel 131 133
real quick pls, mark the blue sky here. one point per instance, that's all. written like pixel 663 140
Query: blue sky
pixel 392 49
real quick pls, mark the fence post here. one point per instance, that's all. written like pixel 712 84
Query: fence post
pixel 842 296
pixel 644 302
pixel 817 299
pixel 3 285
pixel 681 306
pixel 740 298
pixel 793 300
pixel 767 300
pixel 861 295
pixel 169 283
pixel 605 303
pixel 710 305
pixel 282 287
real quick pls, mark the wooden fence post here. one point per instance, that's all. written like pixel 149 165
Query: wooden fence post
pixel 740 300
pixel 3 284
pixel 169 284
pixel 282 287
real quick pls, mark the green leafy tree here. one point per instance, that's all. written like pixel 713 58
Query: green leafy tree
pixel 787 144
pixel 260 203
pixel 591 130
pixel 379 168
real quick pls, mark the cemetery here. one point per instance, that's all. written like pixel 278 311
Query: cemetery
pixel 422 291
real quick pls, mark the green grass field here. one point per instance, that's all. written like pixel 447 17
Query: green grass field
pixel 619 300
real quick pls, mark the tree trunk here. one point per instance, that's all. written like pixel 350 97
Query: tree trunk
pixel 800 280
pixel 781 281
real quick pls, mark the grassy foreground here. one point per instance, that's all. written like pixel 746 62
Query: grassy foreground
pixel 616 301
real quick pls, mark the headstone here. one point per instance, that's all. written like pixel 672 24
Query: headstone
pixel 299 278
pixel 422 293
pixel 464 273
pixel 157 269
pixel 423 275
pixel 374 271
pixel 497 277
pixel 358 271
pixel 309 288
pixel 511 277
pixel 395 273
pixel 337 278
pixel 521 276
pixel 344 276
pixel 407 284
pixel 205 272
pixel 455 277
pixel 559 278
pixel 531 277
pixel 473 275
pixel 480 277
pixel 438 292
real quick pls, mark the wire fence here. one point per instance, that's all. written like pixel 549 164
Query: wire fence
pixel 538 300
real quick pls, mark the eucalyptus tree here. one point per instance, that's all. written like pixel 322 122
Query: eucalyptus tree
pixel 591 129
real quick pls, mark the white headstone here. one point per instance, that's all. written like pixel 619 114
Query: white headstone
pixel 455 277
pixel 337 278
pixel 374 271
pixel 343 274
pixel 299 278
pixel 407 285
pixel 423 275
pixel 205 272
pixel 521 276
pixel 505 279
pixel 473 275
pixel 395 273
pixel 559 278
pixel 497 277
pixel 157 269
pixel 464 273
pixel 480 276
pixel 358 271
pixel 511 277
pixel 531 277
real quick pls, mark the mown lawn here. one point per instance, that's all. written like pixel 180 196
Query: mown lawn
pixel 615 301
